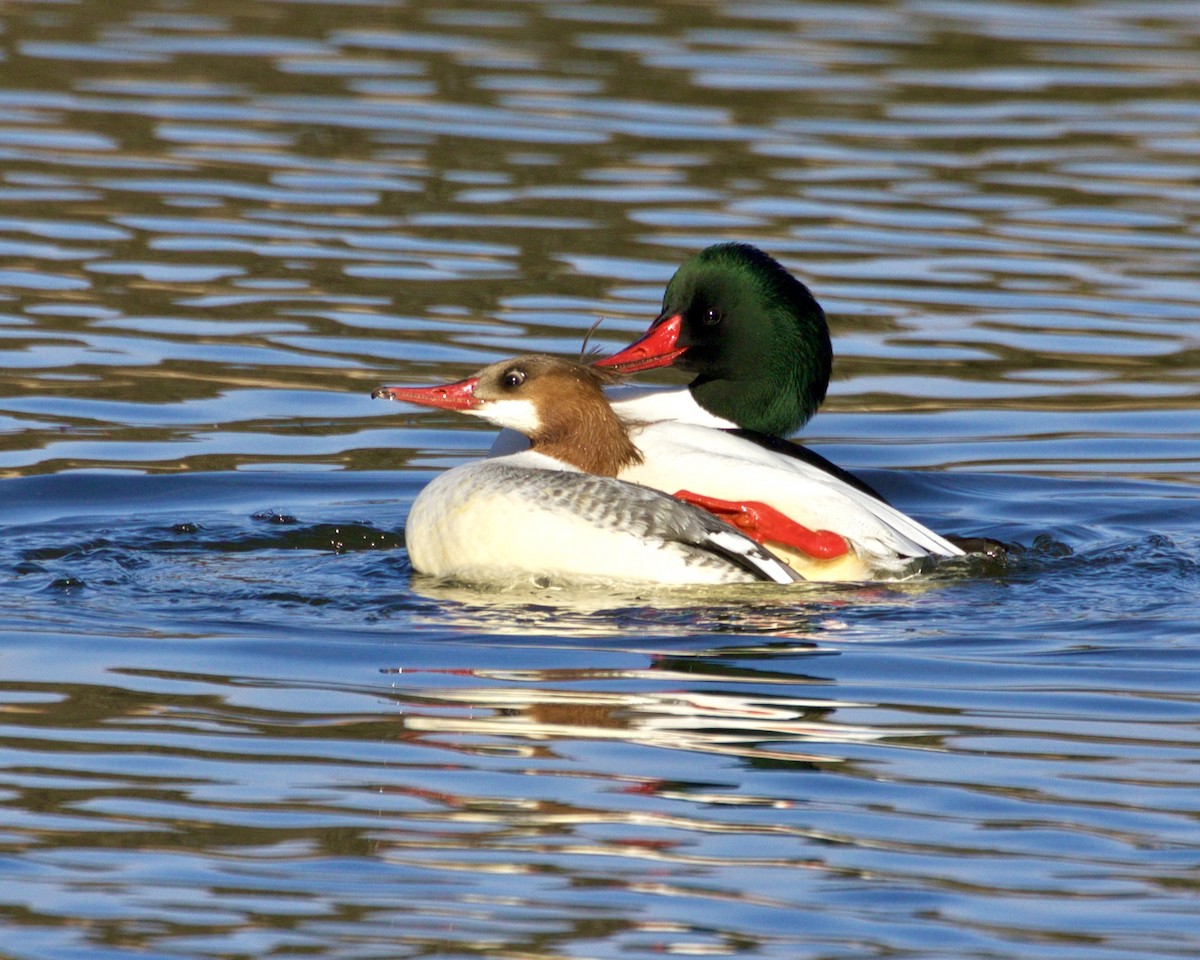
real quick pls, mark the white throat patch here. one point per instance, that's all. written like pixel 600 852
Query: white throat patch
pixel 519 415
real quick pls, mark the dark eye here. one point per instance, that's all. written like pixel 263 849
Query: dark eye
pixel 713 317
pixel 513 379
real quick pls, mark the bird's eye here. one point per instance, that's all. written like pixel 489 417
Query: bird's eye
pixel 513 379
pixel 713 317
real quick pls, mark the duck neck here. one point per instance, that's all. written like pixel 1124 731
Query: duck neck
pixel 589 436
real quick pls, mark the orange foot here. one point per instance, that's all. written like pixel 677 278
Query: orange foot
pixel 761 523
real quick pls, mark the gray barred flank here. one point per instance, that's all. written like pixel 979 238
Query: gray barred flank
pixel 607 503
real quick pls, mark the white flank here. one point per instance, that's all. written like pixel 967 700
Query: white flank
pixel 681 456
pixel 468 526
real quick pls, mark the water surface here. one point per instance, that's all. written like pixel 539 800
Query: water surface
pixel 236 725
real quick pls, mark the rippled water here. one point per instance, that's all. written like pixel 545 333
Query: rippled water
pixel 234 725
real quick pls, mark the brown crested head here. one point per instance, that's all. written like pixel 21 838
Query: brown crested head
pixel 560 406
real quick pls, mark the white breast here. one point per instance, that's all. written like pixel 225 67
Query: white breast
pixel 634 405
pixel 649 405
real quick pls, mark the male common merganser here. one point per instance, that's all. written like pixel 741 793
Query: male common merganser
pixel 557 508
pixel 825 528
pixel 758 342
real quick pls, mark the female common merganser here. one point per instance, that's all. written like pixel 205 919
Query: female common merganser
pixel 825 528
pixel 557 508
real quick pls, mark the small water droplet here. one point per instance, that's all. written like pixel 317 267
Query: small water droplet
pixel 274 516
pixel 66 585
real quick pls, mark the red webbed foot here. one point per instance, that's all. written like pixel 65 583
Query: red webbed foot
pixel 762 522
